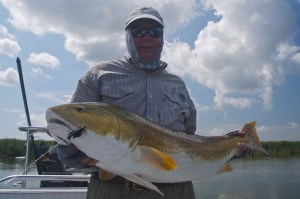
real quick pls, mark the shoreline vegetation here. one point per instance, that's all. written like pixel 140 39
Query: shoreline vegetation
pixel 11 148
pixel 278 149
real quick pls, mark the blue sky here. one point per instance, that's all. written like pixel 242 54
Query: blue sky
pixel 240 59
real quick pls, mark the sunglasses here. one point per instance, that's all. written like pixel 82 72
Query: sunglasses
pixel 141 32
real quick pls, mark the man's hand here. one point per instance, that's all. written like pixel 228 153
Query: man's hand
pixel 88 162
pixel 242 149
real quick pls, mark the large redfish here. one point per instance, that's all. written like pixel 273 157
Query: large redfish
pixel 140 150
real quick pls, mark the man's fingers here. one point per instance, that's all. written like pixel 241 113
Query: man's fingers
pixel 88 162
pixel 242 150
pixel 241 133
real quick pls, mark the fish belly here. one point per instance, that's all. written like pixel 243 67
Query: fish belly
pixel 188 170
pixel 106 149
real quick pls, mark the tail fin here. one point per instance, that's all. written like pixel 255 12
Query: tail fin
pixel 254 140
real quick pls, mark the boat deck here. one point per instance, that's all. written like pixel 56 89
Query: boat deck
pixel 44 193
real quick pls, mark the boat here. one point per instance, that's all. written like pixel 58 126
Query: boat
pixel 56 181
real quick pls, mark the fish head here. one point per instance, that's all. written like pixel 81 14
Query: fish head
pixel 78 115
pixel 99 118
pixel 252 139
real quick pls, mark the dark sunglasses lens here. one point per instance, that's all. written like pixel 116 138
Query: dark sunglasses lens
pixel 138 32
pixel 141 32
pixel 155 32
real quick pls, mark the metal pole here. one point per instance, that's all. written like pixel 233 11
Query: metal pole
pixel 23 91
pixel 27 116
pixel 27 152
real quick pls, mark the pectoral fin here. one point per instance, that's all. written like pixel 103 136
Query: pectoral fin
pixel 227 168
pixel 156 158
pixel 105 175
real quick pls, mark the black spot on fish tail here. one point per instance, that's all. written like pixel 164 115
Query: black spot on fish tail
pixel 75 134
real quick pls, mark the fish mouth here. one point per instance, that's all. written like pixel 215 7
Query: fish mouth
pixel 61 129
pixel 60 123
pixel 58 127
pixel 57 121
pixel 53 118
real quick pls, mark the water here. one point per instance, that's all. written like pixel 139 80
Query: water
pixel 268 178
pixel 16 167
pixel 272 178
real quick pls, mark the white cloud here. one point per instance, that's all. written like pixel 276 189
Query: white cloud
pixel 262 128
pixel 244 53
pixel 36 120
pixel 48 76
pixel 94 31
pixel 279 133
pixel 54 97
pixel 9 77
pixel 9 47
pixel 296 58
pixel 286 51
pixel 217 132
pixel 8 110
pixel 44 59
pixel 240 57
pixel 4 33
pixel 290 132
pixel 265 133
pixel 241 103
pixel 293 125
pixel 36 71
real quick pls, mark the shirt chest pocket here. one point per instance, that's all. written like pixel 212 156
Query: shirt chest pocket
pixel 114 93
pixel 176 107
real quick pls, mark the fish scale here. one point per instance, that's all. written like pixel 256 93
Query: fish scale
pixel 141 151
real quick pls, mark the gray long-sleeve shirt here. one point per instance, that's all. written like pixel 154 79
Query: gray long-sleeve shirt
pixel 158 96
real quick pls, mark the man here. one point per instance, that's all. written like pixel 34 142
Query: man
pixel 140 83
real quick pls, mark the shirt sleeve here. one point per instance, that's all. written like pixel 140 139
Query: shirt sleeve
pixel 87 89
pixel 190 123
pixel 70 156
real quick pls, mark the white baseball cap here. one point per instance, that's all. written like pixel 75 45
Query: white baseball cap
pixel 144 13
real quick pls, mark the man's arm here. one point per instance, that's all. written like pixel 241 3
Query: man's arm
pixel 86 91
pixel 242 149
pixel 190 123
pixel 70 156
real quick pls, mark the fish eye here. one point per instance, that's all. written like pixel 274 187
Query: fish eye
pixel 80 109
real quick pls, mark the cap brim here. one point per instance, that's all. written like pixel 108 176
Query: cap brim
pixel 144 16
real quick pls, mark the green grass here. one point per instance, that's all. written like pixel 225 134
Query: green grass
pixel 280 148
pixel 11 148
